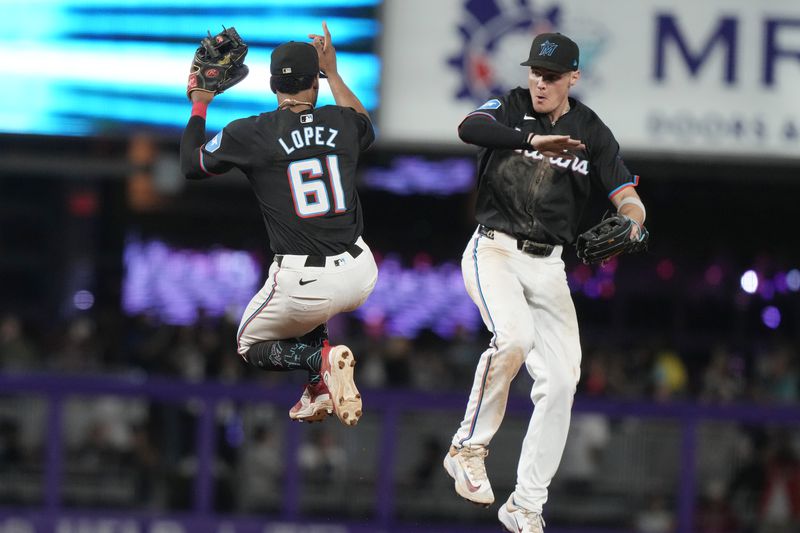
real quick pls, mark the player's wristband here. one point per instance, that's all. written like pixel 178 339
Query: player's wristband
pixel 635 201
pixel 199 109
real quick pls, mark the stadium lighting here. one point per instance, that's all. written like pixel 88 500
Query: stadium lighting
pixel 749 282
pixel 793 280
pixel 771 316
pixel 83 300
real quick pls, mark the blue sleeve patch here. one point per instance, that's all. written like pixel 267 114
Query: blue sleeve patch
pixel 214 144
pixel 494 103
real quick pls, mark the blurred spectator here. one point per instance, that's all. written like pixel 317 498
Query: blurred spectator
pixel 637 367
pixel 18 474
pixel 260 469
pixel 656 517
pixel 713 514
pixel 429 464
pixel 145 344
pixel 747 481
pixel 589 435
pixel 462 353
pixel 79 350
pixel 144 460
pixel 11 451
pixel 780 498
pixel 97 451
pixel 17 352
pixel 777 375
pixel 722 379
pixel 429 370
pixel 369 342
pixel 321 458
pixel 397 355
pixel 669 376
pixel 186 359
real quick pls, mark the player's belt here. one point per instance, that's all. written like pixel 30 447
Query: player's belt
pixel 319 260
pixel 538 249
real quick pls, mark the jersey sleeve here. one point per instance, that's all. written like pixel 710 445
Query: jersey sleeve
pixel 200 159
pixel 608 165
pixel 495 109
pixel 487 127
pixel 227 149
pixel 365 131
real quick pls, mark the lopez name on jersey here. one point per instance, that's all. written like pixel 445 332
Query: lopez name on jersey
pixel 309 136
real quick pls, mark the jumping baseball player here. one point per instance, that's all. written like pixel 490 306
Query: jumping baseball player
pixel 541 151
pixel 300 161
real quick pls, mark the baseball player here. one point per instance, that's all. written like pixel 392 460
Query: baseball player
pixel 541 151
pixel 301 162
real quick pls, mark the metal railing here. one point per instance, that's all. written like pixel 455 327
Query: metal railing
pixel 53 515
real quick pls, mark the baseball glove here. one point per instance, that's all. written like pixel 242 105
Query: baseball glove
pixel 218 63
pixel 611 237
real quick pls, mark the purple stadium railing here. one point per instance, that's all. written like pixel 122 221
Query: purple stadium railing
pixel 52 517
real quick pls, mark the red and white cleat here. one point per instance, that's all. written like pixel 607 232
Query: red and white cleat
pixel 337 373
pixel 314 405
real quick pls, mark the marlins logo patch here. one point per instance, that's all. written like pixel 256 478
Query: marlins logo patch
pixel 491 104
pixel 214 144
pixel 497 35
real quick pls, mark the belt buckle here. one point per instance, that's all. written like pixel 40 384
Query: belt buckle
pixel 535 248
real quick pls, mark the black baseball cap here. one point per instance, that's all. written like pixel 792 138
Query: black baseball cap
pixel 295 59
pixel 553 51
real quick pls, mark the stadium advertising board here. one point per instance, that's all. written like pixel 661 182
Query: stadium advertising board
pixel 668 76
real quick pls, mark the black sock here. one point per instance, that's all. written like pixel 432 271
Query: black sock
pixel 315 338
pixel 291 354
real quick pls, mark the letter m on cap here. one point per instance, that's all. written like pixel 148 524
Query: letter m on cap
pixel 547 48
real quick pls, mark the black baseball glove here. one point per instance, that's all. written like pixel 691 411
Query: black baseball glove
pixel 218 63
pixel 612 236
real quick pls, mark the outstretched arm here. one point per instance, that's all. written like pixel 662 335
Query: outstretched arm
pixel 195 164
pixel 484 130
pixel 194 136
pixel 327 63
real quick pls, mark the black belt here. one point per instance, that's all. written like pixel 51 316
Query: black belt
pixel 319 260
pixel 538 249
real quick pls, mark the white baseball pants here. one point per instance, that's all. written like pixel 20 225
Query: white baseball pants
pixel 296 298
pixel 526 304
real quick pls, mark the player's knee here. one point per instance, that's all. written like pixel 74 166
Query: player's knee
pixel 516 344
pixel 557 386
pixel 563 385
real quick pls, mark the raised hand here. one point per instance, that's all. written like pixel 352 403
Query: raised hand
pixel 325 49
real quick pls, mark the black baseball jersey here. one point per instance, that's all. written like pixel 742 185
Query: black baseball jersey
pixel 524 194
pixel 302 168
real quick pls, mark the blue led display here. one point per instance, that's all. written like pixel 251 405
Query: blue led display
pixel 109 67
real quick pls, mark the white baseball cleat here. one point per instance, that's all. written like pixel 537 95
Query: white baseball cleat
pixel 337 373
pixel 314 405
pixel 465 465
pixel 518 519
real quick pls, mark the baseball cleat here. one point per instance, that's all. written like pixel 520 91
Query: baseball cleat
pixel 466 466
pixel 337 373
pixel 518 519
pixel 314 405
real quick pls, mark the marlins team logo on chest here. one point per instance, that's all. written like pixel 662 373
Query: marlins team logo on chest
pixel 581 166
pixel 496 30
